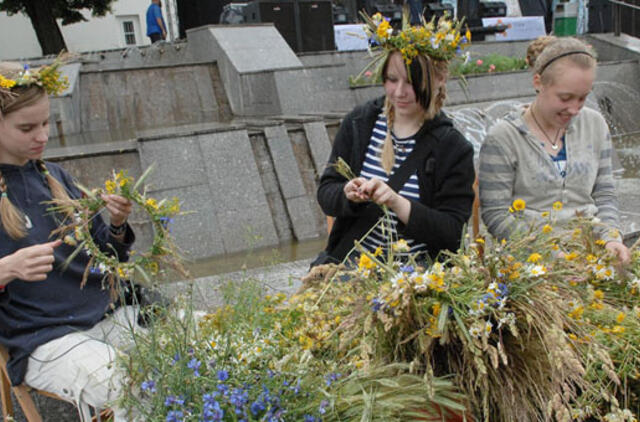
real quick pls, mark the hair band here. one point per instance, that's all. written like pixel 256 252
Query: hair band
pixel 3 195
pixel 559 56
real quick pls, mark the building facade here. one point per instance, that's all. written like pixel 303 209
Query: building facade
pixel 124 27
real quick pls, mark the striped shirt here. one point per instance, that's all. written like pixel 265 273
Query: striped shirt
pixel 385 234
pixel 560 160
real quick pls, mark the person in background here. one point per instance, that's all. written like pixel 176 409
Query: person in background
pixel 553 153
pixel 156 28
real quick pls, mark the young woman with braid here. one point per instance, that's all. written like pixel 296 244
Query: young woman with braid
pixel 61 337
pixel 552 150
pixel 430 209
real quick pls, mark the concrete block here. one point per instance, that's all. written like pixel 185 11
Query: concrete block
pixel 253 48
pixel 319 144
pixel 247 228
pixel 284 161
pixel 302 218
pixel 198 234
pixel 178 162
pixel 231 169
pixel 238 197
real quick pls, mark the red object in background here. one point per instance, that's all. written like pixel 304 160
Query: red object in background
pixel 449 416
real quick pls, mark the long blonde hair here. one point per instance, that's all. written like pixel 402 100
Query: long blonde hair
pixel 422 70
pixel 12 219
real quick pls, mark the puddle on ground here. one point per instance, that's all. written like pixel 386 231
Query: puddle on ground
pixel 286 252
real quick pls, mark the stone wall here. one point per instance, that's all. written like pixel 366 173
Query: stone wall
pixel 243 186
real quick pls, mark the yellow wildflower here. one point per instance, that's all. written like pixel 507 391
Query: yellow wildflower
pixel 598 294
pixel 620 317
pixel 601 242
pixel 6 83
pixel 152 203
pixel 519 204
pixel 383 29
pixel 110 186
pixel 547 229
pixel 557 206
pixel 577 312
pixel 378 251
pixel 480 240
pixel 534 257
pixel 618 329
pixel 545 214
pixel 571 256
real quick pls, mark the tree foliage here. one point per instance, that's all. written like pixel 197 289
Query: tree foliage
pixel 44 13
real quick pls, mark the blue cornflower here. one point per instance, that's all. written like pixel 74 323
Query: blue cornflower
pixel 194 364
pixel 296 388
pixel 270 373
pixel 165 222
pixel 323 407
pixel 310 418
pixel 376 304
pixel 223 375
pixel 331 378
pixel 171 400
pixel 176 358
pixel 257 407
pixel 175 416
pixel 239 398
pixel 149 386
pixel 211 411
pixel 406 269
pixel 223 389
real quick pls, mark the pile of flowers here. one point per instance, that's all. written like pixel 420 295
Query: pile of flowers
pixel 543 327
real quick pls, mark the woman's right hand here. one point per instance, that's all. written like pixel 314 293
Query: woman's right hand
pixel 28 264
pixel 353 192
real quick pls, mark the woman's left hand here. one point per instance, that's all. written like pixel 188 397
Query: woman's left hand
pixel 619 250
pixel 382 194
pixel 119 208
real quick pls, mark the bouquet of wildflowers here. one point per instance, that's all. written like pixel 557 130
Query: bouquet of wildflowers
pixel 76 231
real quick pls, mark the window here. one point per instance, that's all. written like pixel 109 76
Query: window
pixel 129 32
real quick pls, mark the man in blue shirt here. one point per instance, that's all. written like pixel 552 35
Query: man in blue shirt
pixel 156 28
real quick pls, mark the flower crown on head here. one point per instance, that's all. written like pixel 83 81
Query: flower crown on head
pixel 441 40
pixel 48 77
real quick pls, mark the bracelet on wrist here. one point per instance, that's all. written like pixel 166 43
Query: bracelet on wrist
pixel 118 230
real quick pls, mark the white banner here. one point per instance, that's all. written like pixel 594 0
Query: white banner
pixel 522 28
pixel 350 37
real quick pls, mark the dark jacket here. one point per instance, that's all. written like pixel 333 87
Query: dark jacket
pixel 34 313
pixel 445 177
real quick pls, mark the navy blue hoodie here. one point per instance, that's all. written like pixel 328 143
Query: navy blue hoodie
pixel 34 313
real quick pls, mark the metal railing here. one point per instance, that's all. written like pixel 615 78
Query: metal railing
pixel 617 6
